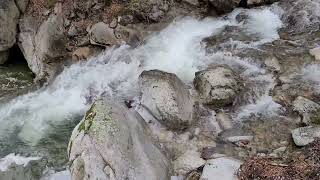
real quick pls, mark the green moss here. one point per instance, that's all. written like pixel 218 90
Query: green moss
pixel 88 120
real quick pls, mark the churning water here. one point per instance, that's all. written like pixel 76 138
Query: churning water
pixel 176 49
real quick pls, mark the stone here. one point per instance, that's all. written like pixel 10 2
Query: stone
pixel 305 135
pixel 114 141
pixel 167 98
pixel 217 85
pixel 224 120
pixel 187 162
pixel 43 45
pixel 102 34
pixel 72 31
pixel 225 6
pixel 273 64
pixel 81 53
pixel 235 139
pixel 315 52
pixel 131 36
pixel 309 110
pixel 149 10
pixel 9 15
pixel 221 168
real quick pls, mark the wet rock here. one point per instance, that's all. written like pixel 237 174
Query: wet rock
pixel 102 34
pixel 309 110
pixel 187 162
pixel 129 35
pixel 9 14
pixel 221 168
pixel 305 135
pixel 315 52
pixel 217 86
pixel 113 141
pixel 167 98
pixel 207 153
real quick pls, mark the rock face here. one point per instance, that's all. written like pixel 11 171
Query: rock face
pixel 9 14
pixel 112 142
pixel 305 135
pixel 217 86
pixel 150 10
pixel 43 47
pixel 167 98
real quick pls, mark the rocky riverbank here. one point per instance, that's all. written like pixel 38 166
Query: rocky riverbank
pixel 168 89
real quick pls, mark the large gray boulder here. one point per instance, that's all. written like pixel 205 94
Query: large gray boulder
pixel 9 15
pixel 217 85
pixel 112 142
pixel 167 98
pixel 43 44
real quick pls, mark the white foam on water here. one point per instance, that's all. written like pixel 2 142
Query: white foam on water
pixel 311 73
pixel 13 159
pixel 176 49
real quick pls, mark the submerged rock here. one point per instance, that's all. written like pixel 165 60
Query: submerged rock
pixel 112 142
pixel 217 86
pixel 167 98
pixel 305 135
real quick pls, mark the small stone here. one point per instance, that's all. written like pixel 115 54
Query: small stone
pixel 67 22
pixel 315 52
pixel 235 139
pixel 113 24
pixel 309 110
pixel 72 31
pixel 273 64
pixel 305 135
pixel 187 162
pixel 207 153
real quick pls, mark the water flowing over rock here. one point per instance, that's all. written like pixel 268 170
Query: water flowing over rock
pixel 217 86
pixel 9 14
pixel 167 98
pixel 112 142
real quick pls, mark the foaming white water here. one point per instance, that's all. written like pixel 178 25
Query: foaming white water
pixel 12 159
pixel 176 49
pixel 311 73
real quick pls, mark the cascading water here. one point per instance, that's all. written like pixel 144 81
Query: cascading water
pixel 28 119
